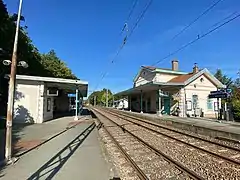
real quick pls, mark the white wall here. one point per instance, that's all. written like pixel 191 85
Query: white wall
pixel 145 77
pixel 163 77
pixel 122 104
pixel 202 89
pixel 26 102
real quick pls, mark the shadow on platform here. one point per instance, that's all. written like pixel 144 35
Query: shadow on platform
pixel 51 167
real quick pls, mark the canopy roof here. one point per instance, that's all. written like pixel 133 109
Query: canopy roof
pixel 69 85
pixel 179 81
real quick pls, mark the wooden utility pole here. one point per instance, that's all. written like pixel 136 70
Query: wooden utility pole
pixel 11 92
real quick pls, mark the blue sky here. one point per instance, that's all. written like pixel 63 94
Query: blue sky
pixel 86 35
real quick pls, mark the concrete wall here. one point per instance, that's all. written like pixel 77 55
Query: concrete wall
pixel 31 102
pixel 27 104
pixel 201 87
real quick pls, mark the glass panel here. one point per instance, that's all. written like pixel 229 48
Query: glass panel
pixel 209 104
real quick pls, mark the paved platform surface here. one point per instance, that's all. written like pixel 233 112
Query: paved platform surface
pixel 71 155
pixel 231 129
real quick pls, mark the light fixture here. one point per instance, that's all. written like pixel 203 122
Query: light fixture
pixel 23 64
pixel 6 62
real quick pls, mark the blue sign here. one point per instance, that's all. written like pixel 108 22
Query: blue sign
pixel 71 95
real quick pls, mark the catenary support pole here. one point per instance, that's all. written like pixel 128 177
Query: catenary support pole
pixel 159 102
pixel 141 101
pixel 76 106
pixel 130 103
pixel 107 99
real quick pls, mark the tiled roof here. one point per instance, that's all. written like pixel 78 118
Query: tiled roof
pixel 153 68
pixel 150 67
pixel 181 78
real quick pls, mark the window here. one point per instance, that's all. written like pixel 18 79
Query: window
pixel 189 105
pixel 209 104
pixel 194 101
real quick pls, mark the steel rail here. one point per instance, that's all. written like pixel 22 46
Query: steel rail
pixel 176 131
pixel 140 173
pixel 178 165
pixel 196 147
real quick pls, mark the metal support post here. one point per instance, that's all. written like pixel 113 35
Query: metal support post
pixel 141 102
pixel 113 102
pixel 159 103
pixel 76 106
pixel 130 103
pixel 11 93
pixel 218 109
pixel 146 108
pixel 107 99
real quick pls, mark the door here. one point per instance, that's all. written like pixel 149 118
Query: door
pixel 167 106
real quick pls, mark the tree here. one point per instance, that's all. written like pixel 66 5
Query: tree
pixel 222 78
pixel 236 98
pixel 101 97
pixel 39 64
pixel 56 66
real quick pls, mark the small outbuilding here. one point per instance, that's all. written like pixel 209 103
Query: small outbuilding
pixel 38 99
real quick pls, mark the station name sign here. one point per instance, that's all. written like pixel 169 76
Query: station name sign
pixel 224 94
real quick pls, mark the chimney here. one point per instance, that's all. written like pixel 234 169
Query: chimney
pixel 195 68
pixel 175 65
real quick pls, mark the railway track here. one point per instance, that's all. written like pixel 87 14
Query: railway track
pixel 226 152
pixel 147 161
pixel 208 159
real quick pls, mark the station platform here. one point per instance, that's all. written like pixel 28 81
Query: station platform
pixel 73 151
pixel 214 128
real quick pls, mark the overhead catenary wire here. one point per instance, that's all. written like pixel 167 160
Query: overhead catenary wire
pixel 125 27
pixel 199 37
pixel 196 19
pixel 141 16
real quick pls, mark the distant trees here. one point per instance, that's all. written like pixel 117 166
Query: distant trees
pixel 101 97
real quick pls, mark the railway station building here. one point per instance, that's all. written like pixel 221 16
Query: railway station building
pixel 38 99
pixel 167 91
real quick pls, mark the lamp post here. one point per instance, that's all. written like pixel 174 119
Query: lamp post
pixel 8 146
pixel 11 92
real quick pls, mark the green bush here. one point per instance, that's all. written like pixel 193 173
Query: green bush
pixel 236 109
